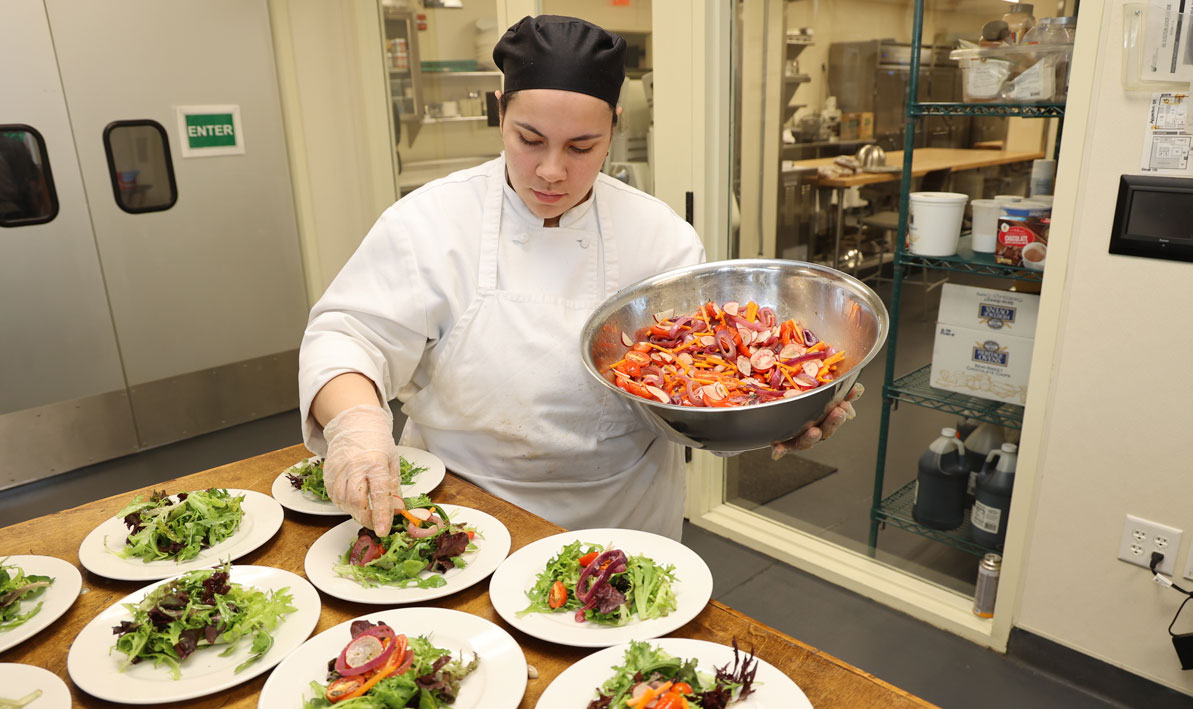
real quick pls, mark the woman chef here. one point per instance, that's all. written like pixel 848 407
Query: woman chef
pixel 466 300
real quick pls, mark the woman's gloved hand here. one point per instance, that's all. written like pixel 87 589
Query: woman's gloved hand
pixel 823 430
pixel 362 469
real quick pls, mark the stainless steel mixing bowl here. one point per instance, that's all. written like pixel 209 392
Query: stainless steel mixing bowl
pixel 837 307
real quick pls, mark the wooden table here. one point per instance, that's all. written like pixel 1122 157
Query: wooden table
pixel 923 161
pixel 827 681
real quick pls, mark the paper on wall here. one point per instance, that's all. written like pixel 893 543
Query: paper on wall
pixel 1168 140
pixel 1167 45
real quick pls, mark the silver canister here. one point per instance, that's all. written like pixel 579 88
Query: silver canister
pixel 986 589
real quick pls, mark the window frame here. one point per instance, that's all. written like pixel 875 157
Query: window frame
pixel 132 123
pixel 47 173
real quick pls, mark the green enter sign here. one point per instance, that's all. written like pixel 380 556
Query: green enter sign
pixel 210 130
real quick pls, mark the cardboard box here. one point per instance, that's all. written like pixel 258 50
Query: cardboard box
pixel 981 363
pixel 857 126
pixel 984 340
pixel 1012 312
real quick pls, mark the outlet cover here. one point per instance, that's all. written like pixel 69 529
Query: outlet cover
pixel 1141 537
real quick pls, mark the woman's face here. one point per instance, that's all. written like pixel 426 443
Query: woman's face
pixel 555 143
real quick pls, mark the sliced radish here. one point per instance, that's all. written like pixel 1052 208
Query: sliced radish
pixel 811 367
pixel 664 315
pixel 743 365
pixel 714 392
pixel 666 357
pixel 658 394
pixel 627 340
pixel 719 368
pixel 747 335
pixel 792 350
pixel 762 360
pixel 791 392
pixel 685 359
pixel 422 514
pixel 708 340
pixel 619 373
pixel 731 307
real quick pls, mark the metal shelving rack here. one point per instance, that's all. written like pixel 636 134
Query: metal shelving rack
pixel 914 388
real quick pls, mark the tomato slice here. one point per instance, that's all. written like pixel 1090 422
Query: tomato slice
pixel 671 701
pixel 589 558
pixel 681 688
pixel 558 595
pixel 364 551
pixel 343 687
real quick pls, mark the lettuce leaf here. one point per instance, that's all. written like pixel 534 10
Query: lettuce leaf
pixel 178 528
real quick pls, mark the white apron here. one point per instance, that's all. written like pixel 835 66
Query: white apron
pixel 510 407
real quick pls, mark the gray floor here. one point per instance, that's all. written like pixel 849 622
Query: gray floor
pixel 923 660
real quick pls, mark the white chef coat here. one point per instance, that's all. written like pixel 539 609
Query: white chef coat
pixel 461 305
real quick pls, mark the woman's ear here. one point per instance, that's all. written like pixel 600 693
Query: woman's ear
pixel 500 110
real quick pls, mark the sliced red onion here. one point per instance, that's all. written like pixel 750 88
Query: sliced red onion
pixel 806 381
pixel 695 393
pixel 742 322
pixel 803 358
pixel 776 377
pixel 699 326
pixel 679 322
pixel 725 342
pixel 767 317
pixel 809 338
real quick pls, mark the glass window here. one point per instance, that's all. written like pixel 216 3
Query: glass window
pixel 140 166
pixel 27 193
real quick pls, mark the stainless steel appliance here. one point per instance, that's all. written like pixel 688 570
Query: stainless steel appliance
pixel 873 76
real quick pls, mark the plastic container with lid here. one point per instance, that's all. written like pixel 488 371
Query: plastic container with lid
pixel 1014 74
pixel 940 483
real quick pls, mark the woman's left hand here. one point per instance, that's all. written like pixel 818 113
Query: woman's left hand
pixel 823 430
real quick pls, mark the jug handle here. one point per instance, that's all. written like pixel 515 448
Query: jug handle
pixel 960 446
pixel 996 453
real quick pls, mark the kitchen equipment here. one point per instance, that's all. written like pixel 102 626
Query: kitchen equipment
pixel 986 588
pixel 871 156
pixel 934 225
pixel 940 483
pixel 840 309
pixel 985 225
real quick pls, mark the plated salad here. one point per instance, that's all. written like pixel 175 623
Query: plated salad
pixel 307 477
pixel 650 677
pixel 17 586
pixel 731 355
pixel 429 541
pixel 602 585
pixel 200 609
pixel 178 527
pixel 381 669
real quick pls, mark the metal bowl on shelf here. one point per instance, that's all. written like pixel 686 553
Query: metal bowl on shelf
pixel 838 308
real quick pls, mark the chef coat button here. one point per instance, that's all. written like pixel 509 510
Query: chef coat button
pixel 522 238
pixel 583 243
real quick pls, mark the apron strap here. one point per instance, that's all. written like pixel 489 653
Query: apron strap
pixel 608 240
pixel 491 229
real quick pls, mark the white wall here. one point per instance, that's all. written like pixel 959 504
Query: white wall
pixel 1108 426
pixel 334 105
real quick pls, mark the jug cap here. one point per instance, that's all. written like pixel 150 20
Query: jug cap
pixel 1009 448
pixel 948 432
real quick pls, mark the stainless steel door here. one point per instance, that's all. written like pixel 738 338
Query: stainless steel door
pixel 63 400
pixel 207 296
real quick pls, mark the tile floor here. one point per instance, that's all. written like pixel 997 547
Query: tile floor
pixel 923 660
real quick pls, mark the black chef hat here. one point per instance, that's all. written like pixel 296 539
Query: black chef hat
pixel 554 52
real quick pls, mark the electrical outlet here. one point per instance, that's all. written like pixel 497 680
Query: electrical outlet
pixel 1141 537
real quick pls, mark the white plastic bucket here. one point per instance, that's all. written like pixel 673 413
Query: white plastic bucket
pixel 985 225
pixel 1009 197
pixel 934 224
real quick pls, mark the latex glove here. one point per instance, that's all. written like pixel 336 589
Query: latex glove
pixel 823 430
pixel 362 469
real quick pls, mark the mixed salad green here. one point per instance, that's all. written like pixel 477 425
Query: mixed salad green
pixel 17 586
pixel 651 676
pixel 602 585
pixel 178 527
pixel 429 541
pixel 307 477
pixel 379 669
pixel 200 609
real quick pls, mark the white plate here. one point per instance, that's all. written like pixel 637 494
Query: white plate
pixel 94 666
pixel 19 680
pixel 497 683
pixel 577 685
pixel 99 552
pixel 516 576
pixel 56 600
pixel 424 483
pixel 492 541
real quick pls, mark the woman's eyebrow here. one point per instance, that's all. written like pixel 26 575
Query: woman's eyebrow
pixel 576 139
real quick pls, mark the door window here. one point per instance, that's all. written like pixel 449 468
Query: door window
pixel 27 193
pixel 140 166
